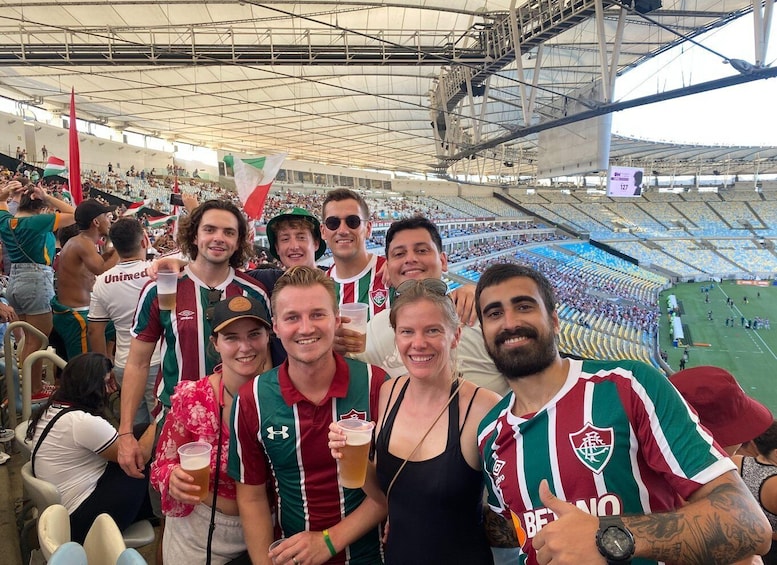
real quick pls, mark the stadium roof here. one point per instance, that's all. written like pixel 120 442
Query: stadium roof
pixel 406 85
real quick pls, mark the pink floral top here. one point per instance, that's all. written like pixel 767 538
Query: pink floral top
pixel 193 416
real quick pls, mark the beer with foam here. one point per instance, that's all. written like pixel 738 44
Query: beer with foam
pixel 195 460
pixel 353 465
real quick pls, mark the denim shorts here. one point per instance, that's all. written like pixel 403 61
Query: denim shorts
pixel 30 288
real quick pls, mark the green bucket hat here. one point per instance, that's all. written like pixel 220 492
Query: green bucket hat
pixel 290 214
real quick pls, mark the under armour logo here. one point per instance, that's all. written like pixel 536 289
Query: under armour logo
pixel 283 432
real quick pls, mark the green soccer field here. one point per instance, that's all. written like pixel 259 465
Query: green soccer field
pixel 750 355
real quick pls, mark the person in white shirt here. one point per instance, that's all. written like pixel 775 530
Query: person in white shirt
pixel 414 251
pixel 76 449
pixel 114 299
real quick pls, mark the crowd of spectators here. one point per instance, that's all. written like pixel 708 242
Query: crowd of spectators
pixel 467 252
pixel 586 293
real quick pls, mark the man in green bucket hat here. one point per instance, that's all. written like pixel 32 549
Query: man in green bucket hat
pixel 294 238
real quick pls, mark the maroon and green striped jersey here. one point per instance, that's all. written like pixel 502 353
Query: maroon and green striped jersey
pixel 616 439
pixel 273 423
pixel 185 332
pixel 366 287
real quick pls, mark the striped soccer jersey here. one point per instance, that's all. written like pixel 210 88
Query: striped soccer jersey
pixel 616 439
pixel 272 421
pixel 366 287
pixel 185 352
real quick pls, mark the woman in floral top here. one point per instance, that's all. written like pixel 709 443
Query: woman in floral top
pixel 241 335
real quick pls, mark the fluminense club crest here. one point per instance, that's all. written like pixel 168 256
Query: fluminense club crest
pixel 593 446
pixel 354 414
pixel 379 296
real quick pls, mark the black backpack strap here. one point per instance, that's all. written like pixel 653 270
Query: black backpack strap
pixel 46 431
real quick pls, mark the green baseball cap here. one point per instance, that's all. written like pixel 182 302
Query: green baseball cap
pixel 290 214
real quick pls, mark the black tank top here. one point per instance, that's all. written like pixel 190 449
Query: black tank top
pixel 436 506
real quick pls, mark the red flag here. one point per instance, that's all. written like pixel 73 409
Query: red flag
pixel 176 210
pixel 75 154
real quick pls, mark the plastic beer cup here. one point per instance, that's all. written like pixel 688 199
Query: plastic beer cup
pixel 275 544
pixel 357 312
pixel 195 460
pixel 166 288
pixel 353 465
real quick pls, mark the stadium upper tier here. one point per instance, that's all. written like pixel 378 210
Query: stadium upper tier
pixel 685 235
pixel 607 306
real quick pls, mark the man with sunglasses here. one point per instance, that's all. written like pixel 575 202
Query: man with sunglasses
pixel 414 252
pixel 213 236
pixel 356 271
pixel 78 265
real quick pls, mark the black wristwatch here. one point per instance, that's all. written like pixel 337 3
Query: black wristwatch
pixel 614 540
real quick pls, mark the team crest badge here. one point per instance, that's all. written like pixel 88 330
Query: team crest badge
pixel 354 415
pixel 379 297
pixel 593 446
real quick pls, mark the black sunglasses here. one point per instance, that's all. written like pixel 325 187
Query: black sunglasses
pixel 333 222
pixel 214 297
pixel 436 286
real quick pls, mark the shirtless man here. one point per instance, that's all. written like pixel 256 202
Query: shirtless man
pixel 78 265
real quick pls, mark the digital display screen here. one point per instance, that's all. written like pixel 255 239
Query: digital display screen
pixel 625 182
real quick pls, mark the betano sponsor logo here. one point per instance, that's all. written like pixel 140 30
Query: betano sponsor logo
pixel 533 520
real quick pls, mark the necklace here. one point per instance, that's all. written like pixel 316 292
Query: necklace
pixel 223 388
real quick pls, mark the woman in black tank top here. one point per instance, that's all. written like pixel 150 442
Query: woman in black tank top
pixel 427 464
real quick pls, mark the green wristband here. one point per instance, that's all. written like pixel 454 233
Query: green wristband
pixel 329 544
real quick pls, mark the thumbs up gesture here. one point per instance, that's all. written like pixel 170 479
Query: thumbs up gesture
pixel 570 538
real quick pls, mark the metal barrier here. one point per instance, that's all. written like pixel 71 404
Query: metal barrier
pixel 25 374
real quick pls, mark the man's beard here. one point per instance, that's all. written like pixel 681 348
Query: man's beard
pixel 528 360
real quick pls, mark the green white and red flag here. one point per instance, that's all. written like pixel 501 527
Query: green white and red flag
pixel 160 222
pixel 135 207
pixel 54 167
pixel 253 178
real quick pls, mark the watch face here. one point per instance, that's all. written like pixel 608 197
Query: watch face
pixel 617 543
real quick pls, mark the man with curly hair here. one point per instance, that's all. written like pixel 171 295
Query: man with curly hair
pixel 213 236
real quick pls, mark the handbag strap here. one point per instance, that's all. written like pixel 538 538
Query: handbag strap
pixel 19 245
pixel 217 476
pixel 46 431
pixel 444 409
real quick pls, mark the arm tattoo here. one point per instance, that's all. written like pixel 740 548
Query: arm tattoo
pixel 722 528
pixel 500 532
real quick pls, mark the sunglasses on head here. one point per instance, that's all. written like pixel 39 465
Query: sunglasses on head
pixel 214 297
pixel 333 222
pixel 436 286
